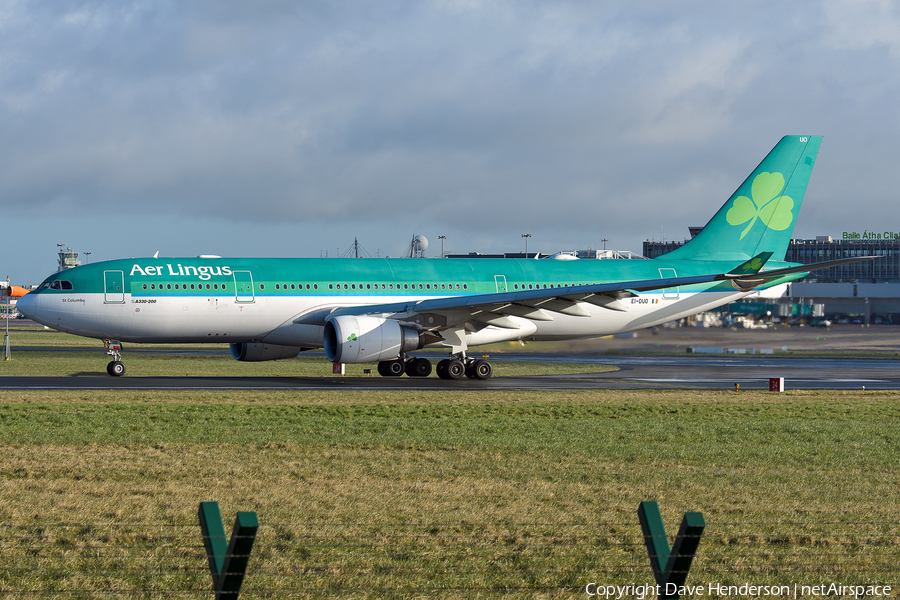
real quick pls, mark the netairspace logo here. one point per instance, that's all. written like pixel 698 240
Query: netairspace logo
pixel 746 590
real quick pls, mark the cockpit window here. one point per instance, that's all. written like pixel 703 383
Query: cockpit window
pixel 60 284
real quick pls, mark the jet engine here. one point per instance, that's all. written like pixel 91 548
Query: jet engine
pixel 364 339
pixel 255 352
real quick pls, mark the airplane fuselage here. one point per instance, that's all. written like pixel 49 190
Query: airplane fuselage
pixel 380 310
pixel 234 300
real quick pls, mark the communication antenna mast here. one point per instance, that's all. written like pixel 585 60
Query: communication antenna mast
pixel 417 247
pixel 356 250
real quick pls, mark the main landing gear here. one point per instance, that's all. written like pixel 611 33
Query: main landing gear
pixel 116 368
pixel 455 367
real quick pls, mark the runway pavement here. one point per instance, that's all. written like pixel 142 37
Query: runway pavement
pixel 635 372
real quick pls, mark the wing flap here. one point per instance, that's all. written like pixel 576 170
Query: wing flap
pixel 521 310
pixel 561 305
pixel 496 320
pixel 606 301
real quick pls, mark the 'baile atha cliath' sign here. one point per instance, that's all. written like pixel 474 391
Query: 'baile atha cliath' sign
pixel 871 235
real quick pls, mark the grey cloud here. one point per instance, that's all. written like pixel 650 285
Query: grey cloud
pixel 476 118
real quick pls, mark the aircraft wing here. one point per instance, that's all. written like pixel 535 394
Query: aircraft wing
pixel 534 304
pixel 540 304
pixel 563 300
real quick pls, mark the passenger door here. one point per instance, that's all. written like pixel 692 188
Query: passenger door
pixel 114 287
pixel 243 286
pixel 672 292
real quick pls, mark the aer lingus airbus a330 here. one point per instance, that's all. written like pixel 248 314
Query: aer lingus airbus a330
pixel 382 310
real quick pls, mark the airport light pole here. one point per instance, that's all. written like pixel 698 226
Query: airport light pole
pixel 88 254
pixel 6 337
pixel 442 238
pixel 604 240
pixel 526 236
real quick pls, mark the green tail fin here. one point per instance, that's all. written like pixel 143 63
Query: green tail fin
pixel 761 213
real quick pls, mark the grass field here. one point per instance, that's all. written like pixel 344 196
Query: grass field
pixel 473 494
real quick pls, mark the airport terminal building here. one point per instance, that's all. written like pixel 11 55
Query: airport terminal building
pixel 885 269
pixel 869 290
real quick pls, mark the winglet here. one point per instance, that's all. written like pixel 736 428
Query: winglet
pixel 752 266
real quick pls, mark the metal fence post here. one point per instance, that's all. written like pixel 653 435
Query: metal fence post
pixel 670 567
pixel 227 563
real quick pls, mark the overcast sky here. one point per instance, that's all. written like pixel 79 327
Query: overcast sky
pixel 272 128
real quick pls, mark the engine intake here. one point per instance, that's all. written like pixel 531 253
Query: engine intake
pixel 363 339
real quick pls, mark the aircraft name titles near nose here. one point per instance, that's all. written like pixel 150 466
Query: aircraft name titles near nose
pixel 204 273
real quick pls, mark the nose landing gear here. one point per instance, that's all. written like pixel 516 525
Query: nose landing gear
pixel 116 368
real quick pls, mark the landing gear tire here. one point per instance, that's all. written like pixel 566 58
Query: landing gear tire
pixel 441 369
pixel 480 369
pixel 391 368
pixel 116 368
pixel 455 369
pixel 418 367
pixel 451 368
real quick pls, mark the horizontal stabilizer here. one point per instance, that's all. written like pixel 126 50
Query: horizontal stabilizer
pixel 752 266
pixel 769 275
pixel 745 283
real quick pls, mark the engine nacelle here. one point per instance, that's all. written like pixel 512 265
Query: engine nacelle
pixel 362 339
pixel 255 352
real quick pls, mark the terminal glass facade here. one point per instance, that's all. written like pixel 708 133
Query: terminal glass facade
pixel 886 268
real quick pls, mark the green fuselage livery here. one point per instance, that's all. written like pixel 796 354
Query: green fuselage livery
pixel 380 310
pixel 258 300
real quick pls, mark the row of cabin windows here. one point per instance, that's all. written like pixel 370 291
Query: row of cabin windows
pixel 66 285
pixel 406 286
pixel 547 286
pixel 284 286
pixel 184 286
pixel 413 286
pixel 537 286
pixel 375 286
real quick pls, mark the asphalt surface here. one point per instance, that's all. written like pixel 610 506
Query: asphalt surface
pixel 684 371
pixel 635 372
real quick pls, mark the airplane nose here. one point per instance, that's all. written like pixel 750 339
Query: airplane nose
pixel 26 305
